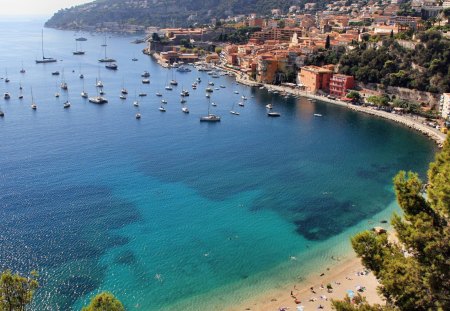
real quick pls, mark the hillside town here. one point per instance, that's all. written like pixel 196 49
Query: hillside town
pixel 292 48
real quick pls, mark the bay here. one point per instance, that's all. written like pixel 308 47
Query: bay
pixel 168 212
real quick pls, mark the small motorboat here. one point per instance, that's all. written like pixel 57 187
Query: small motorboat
pixel 273 114
pixel 169 88
pixel 55 73
pixel 163 101
pixel 145 81
pixel 6 96
pixel 162 109
pixel 112 66
pixel 269 106
pixel 56 94
pixel 234 112
pixel 158 94
pixel 185 109
pixel 145 74
pixel 317 115
pixel 122 96
pixel 138 116
pixel 124 91
pixel 241 104
pixel 142 94
pixel 66 105
pixel 136 103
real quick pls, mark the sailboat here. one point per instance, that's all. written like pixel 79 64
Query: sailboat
pixel 63 82
pixel 33 104
pixel 22 70
pixel 168 86
pixel 56 92
pixel 123 90
pixel 20 91
pixel 67 102
pixel 78 51
pixel 81 74
pixel 210 117
pixel 106 59
pixel 2 114
pixel 84 94
pixel 6 76
pixel 44 59
pixel 232 111
pixel 173 81
pixel 98 82
pixel 272 113
pixel 135 102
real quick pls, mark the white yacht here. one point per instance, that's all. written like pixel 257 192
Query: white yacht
pixel 98 100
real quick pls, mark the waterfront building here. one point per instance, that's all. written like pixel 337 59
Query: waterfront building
pixel 444 106
pixel 314 78
pixel 340 84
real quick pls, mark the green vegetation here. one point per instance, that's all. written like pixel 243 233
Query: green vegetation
pixel 407 106
pixel 414 273
pixel 424 68
pixel 162 13
pixel 358 303
pixel 239 36
pixel 354 96
pixel 380 101
pixel 104 302
pixel 16 291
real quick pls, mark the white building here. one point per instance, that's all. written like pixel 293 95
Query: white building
pixel 445 105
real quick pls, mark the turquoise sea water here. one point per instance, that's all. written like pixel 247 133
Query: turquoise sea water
pixel 96 200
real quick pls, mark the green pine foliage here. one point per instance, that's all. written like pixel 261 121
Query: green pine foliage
pixel 16 291
pixel 104 302
pixel 414 272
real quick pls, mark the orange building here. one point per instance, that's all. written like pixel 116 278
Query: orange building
pixel 340 84
pixel 314 78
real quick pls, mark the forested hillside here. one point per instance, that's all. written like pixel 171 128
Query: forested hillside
pixel 161 12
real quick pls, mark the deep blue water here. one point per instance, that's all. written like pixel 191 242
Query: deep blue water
pixel 96 200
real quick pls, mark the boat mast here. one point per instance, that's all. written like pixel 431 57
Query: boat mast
pixel 42 43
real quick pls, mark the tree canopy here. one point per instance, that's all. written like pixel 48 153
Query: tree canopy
pixel 414 272
pixel 16 291
pixel 104 302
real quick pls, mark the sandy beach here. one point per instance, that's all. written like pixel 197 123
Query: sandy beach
pixel 312 294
